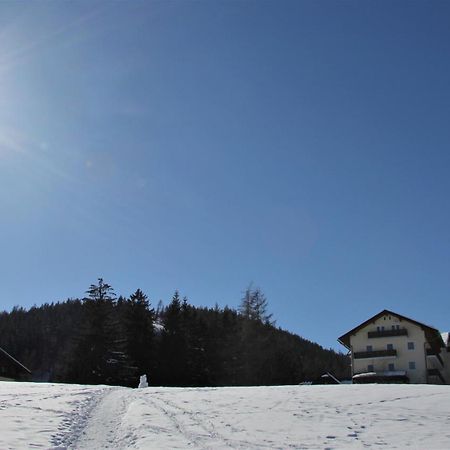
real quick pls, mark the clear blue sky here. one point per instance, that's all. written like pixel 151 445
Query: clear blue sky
pixel 303 146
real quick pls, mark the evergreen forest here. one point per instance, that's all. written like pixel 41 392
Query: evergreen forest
pixel 105 339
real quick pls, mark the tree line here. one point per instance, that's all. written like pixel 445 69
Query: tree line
pixel 107 339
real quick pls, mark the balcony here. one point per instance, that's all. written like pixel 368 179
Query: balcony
pixel 387 333
pixel 433 354
pixel 436 373
pixel 375 354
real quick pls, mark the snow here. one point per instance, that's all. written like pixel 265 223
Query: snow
pixel 52 416
pixel 37 415
pixel 386 373
pixel 143 382
pixel 158 327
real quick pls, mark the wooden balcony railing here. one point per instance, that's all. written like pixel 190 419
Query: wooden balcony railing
pixel 388 333
pixel 431 352
pixel 436 373
pixel 375 354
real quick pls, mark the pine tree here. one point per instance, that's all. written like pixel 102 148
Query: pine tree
pixel 103 340
pixel 100 292
pixel 100 355
pixel 254 306
pixel 138 319
pixel 173 349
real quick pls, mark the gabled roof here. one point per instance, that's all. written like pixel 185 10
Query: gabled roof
pixel 432 335
pixel 14 360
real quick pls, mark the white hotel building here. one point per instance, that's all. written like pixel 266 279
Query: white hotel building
pixel 390 347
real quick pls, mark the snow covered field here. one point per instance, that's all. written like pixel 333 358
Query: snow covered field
pixel 304 417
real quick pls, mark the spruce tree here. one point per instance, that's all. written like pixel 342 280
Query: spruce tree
pixel 138 319
pixel 173 349
pixel 100 354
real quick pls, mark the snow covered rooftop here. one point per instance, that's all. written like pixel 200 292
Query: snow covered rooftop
pixel 387 373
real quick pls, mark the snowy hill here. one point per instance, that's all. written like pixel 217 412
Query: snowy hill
pixel 304 417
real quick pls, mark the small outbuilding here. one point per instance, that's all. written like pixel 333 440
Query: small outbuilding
pixel 11 369
pixel 326 378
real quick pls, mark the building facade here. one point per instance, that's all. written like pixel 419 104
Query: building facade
pixel 390 347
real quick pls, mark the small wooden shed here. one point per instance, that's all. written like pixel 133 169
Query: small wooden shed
pixel 11 369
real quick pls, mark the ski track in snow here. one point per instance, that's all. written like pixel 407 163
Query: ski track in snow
pixel 73 417
pixel 104 430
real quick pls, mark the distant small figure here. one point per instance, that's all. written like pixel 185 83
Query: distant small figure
pixel 143 382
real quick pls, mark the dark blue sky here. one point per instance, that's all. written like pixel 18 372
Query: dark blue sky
pixel 201 146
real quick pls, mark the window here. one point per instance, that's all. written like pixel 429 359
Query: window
pixel 370 368
pixel 397 327
pixel 382 328
pixel 412 365
pixel 378 328
pixel 369 348
pixel 393 327
pixel 390 347
pixel 410 345
pixel 391 367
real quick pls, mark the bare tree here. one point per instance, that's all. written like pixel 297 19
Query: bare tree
pixel 254 306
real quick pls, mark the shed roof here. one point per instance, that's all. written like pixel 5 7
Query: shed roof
pixel 14 360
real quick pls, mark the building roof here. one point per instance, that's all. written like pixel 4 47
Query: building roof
pixel 432 335
pixel 14 360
